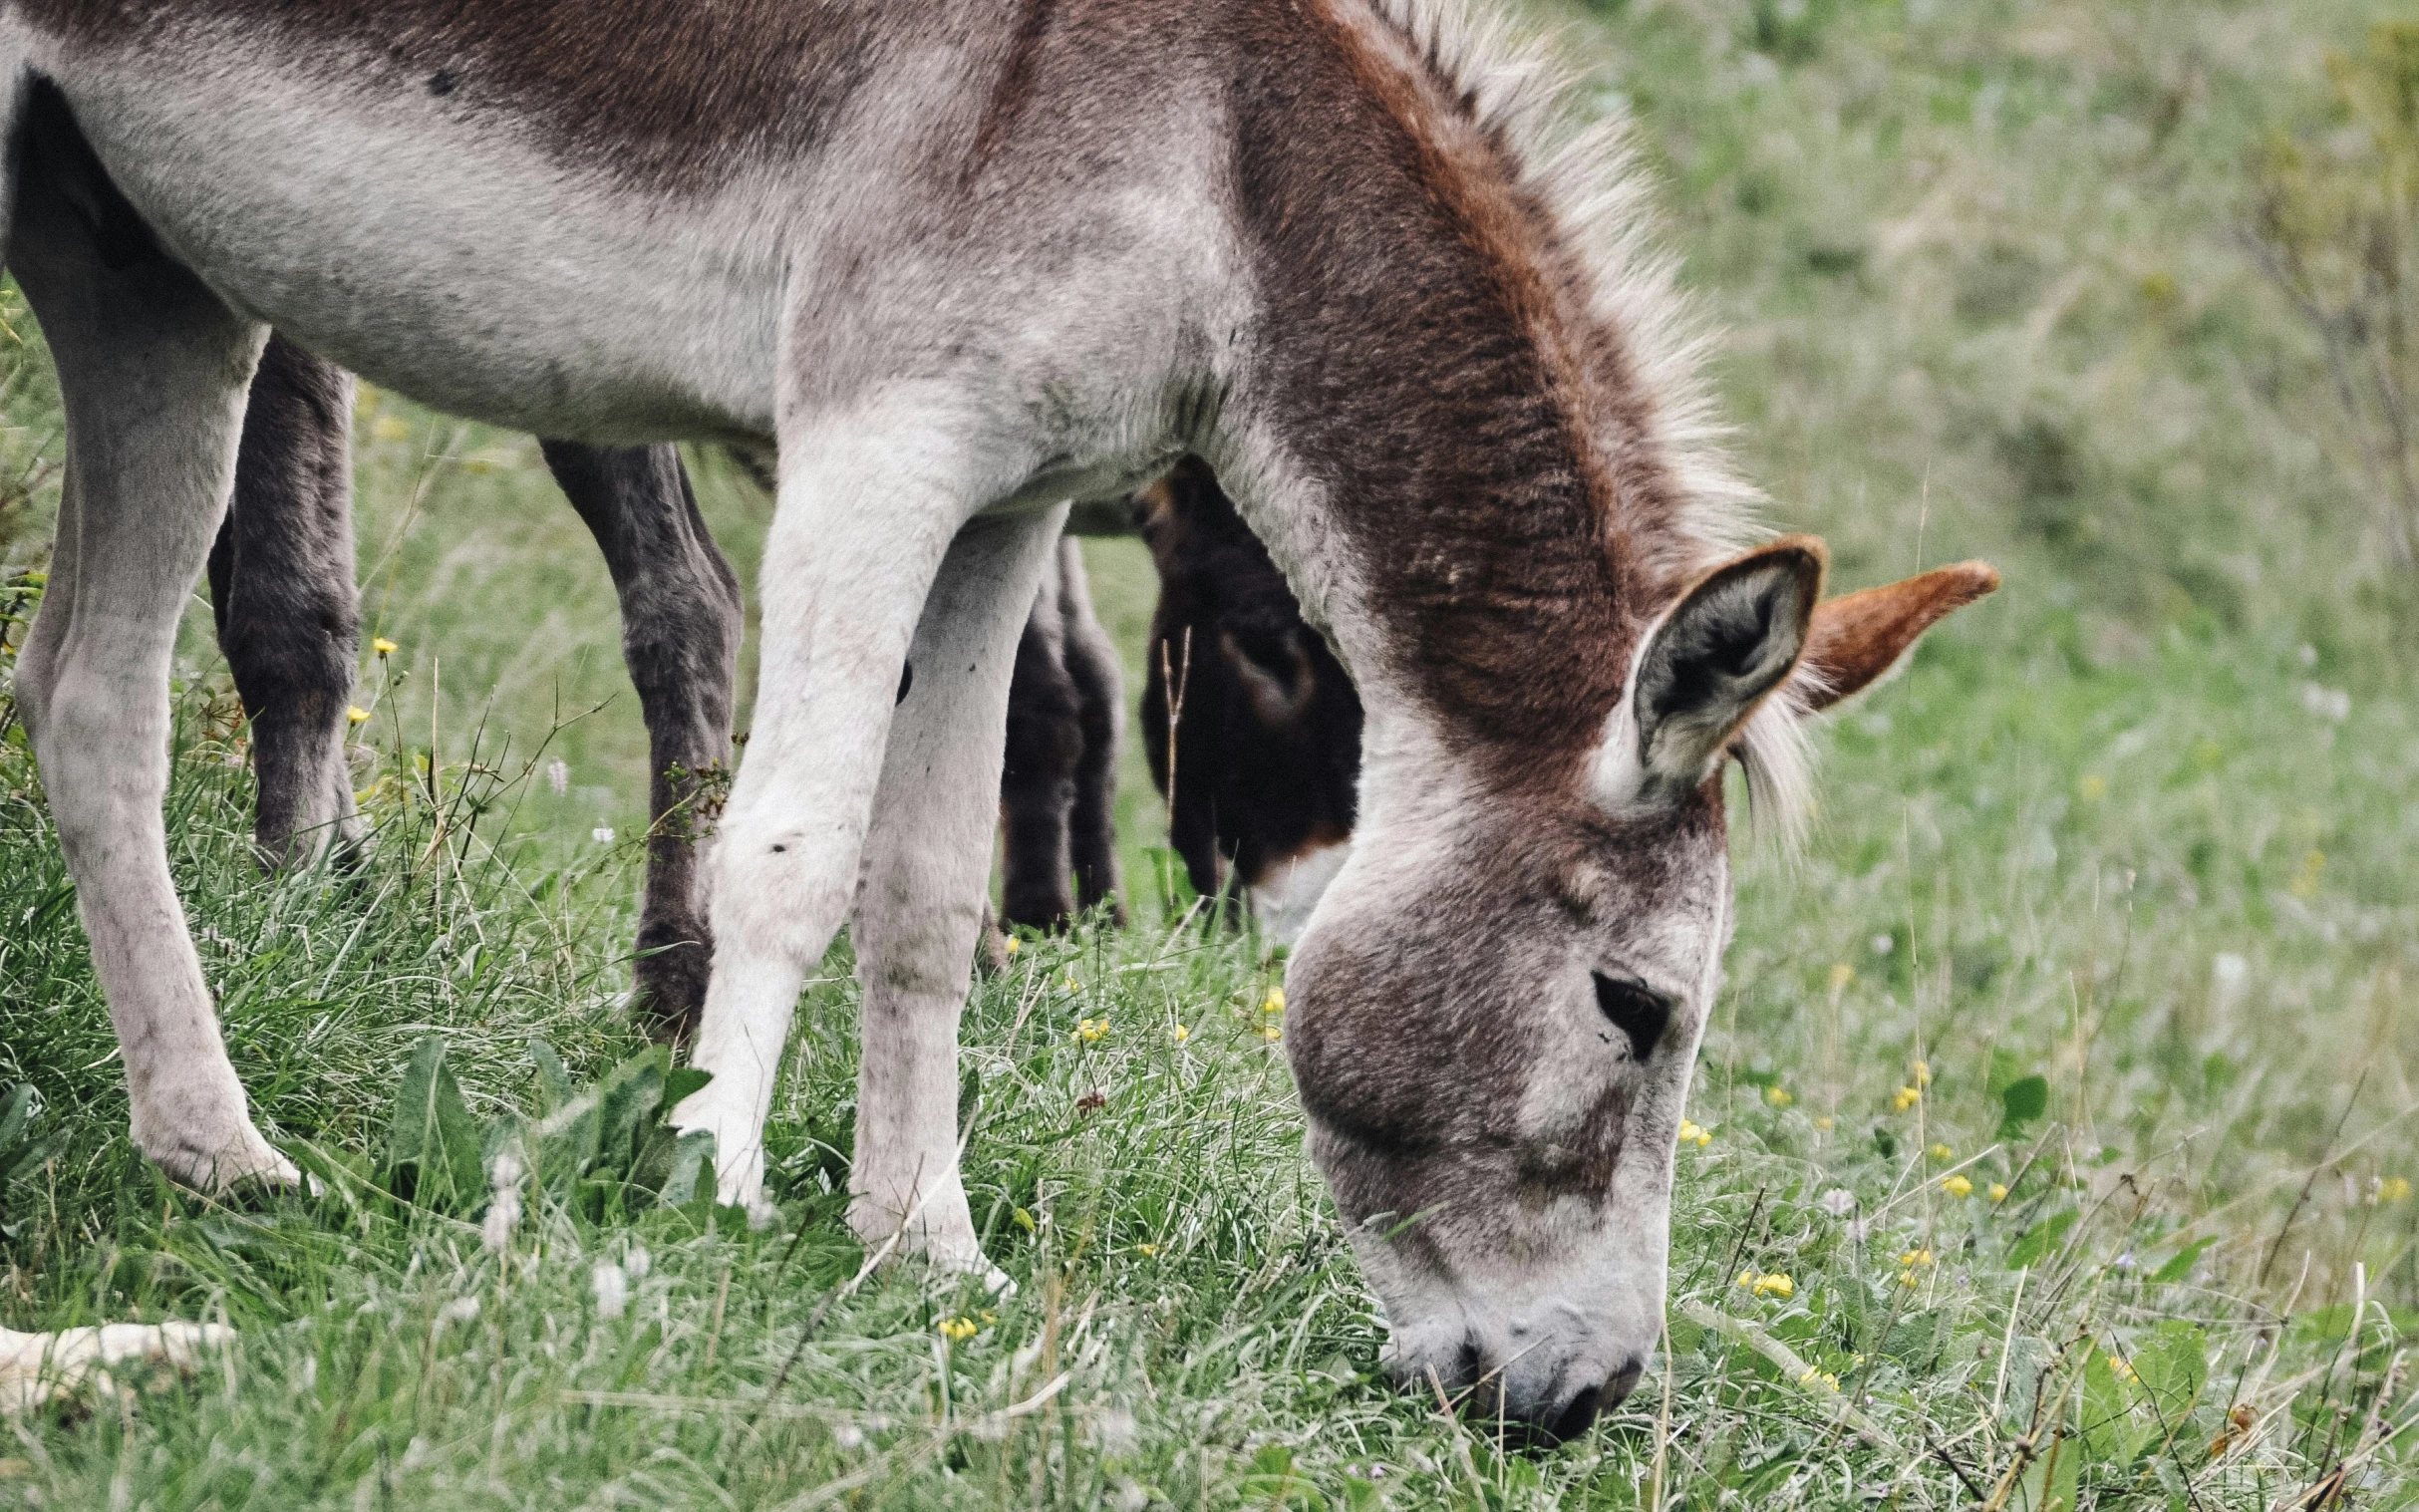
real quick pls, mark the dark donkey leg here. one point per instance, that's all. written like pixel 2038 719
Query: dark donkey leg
pixel 1091 666
pixel 282 592
pixel 681 629
pixel 1038 781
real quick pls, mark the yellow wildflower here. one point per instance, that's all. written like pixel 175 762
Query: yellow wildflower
pixel 1271 1032
pixel 384 647
pixel 1998 1191
pixel 2119 1368
pixel 1092 1031
pixel 1692 1132
pixel 1025 1220
pixel 1778 1096
pixel 1777 1284
pixel 354 713
pixel 1923 1073
pixel 959 1329
pixel 1905 1098
pixel 1817 1376
pixel 1275 1001
pixel 989 1317
pixel 390 428
pixel 1012 945
pixel 1841 975
pixel 1943 1152
pixel 1181 1034
pixel 2395 1189
pixel 2093 788
pixel 1146 1250
pixel 1914 1259
pixel 1958 1186
pixel 1822 1123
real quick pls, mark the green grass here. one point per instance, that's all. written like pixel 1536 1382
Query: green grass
pixel 2139 826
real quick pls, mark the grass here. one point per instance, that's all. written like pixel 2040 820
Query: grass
pixel 2138 827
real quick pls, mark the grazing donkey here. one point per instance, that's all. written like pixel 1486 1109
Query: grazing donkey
pixel 1260 758
pixel 959 263
pixel 288 617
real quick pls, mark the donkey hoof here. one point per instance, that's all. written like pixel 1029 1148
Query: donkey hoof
pixel 244 1163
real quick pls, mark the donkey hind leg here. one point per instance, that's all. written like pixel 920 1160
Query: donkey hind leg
pixel 866 512
pixel 288 613
pixel 919 907
pixel 152 372
pixel 1044 749
pixel 1091 664
pixel 681 629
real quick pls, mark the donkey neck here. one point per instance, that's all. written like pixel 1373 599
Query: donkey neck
pixel 1439 423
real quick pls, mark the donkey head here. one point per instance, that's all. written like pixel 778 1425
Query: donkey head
pixel 1500 998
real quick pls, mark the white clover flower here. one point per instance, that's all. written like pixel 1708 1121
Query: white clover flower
pixel 1839 1202
pixel 602 834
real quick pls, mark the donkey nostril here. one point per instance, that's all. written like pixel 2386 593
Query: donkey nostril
pixel 1465 1365
pixel 1622 1382
pixel 1574 1418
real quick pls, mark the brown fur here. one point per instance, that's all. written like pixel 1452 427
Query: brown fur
pixel 1478 511
pixel 1267 748
pixel 1859 636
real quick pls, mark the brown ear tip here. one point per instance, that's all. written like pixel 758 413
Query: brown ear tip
pixel 1978 578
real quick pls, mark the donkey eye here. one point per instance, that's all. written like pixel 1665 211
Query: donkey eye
pixel 1635 1009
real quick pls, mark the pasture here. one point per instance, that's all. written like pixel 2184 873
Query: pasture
pixel 2054 1143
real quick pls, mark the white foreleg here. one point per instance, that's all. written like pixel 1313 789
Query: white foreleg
pixel 152 371
pixel 868 508
pixel 920 907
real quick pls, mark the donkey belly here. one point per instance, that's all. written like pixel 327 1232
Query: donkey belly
pixel 451 263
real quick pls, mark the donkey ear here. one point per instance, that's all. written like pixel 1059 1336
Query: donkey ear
pixel 1724 647
pixel 1858 637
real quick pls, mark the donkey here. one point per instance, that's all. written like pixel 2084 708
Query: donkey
pixel 957 265
pixel 1249 723
pixel 288 619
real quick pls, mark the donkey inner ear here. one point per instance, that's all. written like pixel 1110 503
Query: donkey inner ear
pixel 1858 637
pixel 1729 642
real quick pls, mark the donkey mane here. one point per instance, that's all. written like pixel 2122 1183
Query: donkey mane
pixel 1599 198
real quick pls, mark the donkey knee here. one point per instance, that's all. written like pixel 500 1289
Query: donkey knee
pixel 773 893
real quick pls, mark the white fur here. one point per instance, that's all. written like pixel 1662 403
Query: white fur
pixel 1283 900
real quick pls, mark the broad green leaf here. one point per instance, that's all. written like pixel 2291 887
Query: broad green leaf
pixel 2041 1239
pixel 432 1146
pixel 692 1161
pixel 553 1083
pixel 682 1083
pixel 2023 1102
pixel 2180 1265
pixel 2171 1364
